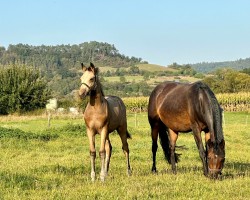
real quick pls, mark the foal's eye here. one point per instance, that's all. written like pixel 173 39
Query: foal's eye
pixel 92 79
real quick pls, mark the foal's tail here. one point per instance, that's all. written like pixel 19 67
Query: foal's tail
pixel 165 143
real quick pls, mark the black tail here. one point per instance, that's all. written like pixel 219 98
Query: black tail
pixel 165 144
pixel 128 135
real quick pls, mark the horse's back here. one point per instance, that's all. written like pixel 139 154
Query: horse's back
pixel 174 104
pixel 158 95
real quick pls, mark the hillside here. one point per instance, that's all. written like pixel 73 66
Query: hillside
pixel 123 75
pixel 61 64
pixel 206 67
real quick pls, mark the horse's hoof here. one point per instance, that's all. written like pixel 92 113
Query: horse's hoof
pixel 129 173
pixel 154 171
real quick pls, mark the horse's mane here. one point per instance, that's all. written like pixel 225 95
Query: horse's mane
pixel 216 111
pixel 98 82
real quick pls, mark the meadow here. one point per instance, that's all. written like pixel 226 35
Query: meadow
pixel 37 162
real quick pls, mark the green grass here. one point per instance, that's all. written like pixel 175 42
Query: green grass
pixel 153 67
pixel 41 163
pixel 128 78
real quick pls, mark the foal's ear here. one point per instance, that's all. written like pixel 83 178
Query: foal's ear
pixel 93 68
pixel 84 68
pixel 92 65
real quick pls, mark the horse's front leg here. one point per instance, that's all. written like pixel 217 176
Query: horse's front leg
pixel 173 138
pixel 198 140
pixel 102 153
pixel 91 136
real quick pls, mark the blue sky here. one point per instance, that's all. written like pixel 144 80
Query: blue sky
pixel 160 31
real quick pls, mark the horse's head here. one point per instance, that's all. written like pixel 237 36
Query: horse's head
pixel 88 80
pixel 215 158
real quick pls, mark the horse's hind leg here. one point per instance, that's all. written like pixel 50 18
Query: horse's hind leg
pixel 108 149
pixel 154 136
pixel 173 138
pixel 123 135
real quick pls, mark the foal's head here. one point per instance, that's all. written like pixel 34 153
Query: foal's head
pixel 215 158
pixel 88 79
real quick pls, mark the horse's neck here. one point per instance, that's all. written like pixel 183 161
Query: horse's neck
pixel 97 97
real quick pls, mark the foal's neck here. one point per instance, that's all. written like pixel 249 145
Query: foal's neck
pixel 97 96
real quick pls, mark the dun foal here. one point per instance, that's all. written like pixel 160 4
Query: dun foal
pixel 102 115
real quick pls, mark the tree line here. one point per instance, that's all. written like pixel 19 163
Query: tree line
pixel 229 81
pixel 59 58
pixel 30 75
pixel 60 64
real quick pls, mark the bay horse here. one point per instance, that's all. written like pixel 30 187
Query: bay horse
pixel 178 107
pixel 102 115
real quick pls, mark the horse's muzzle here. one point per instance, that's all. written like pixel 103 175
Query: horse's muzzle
pixel 214 173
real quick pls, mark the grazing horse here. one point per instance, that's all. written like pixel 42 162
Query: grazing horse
pixel 102 115
pixel 178 107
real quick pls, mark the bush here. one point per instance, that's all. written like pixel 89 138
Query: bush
pixel 21 89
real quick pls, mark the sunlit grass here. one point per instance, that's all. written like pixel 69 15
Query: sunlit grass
pixel 59 168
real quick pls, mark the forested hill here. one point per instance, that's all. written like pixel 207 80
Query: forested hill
pixel 61 57
pixel 60 64
pixel 206 67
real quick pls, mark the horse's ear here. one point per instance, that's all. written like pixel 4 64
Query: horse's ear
pixel 222 144
pixel 84 68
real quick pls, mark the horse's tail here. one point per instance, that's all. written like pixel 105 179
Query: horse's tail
pixel 165 143
pixel 128 135
pixel 216 113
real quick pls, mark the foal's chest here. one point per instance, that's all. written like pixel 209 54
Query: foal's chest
pixel 95 119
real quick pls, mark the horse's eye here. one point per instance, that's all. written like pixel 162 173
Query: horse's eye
pixel 92 79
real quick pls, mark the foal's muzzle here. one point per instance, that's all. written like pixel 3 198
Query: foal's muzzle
pixel 83 92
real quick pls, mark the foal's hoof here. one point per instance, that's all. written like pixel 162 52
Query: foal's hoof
pixel 92 177
pixel 103 177
pixel 129 172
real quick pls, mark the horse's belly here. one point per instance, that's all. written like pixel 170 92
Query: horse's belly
pixel 178 123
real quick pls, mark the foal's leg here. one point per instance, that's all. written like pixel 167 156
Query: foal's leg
pixel 102 153
pixel 173 138
pixel 108 148
pixel 91 137
pixel 123 135
pixel 198 140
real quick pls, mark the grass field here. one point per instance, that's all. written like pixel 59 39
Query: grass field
pixel 41 163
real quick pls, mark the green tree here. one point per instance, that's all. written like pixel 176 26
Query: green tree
pixel 21 89
pixel 228 81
